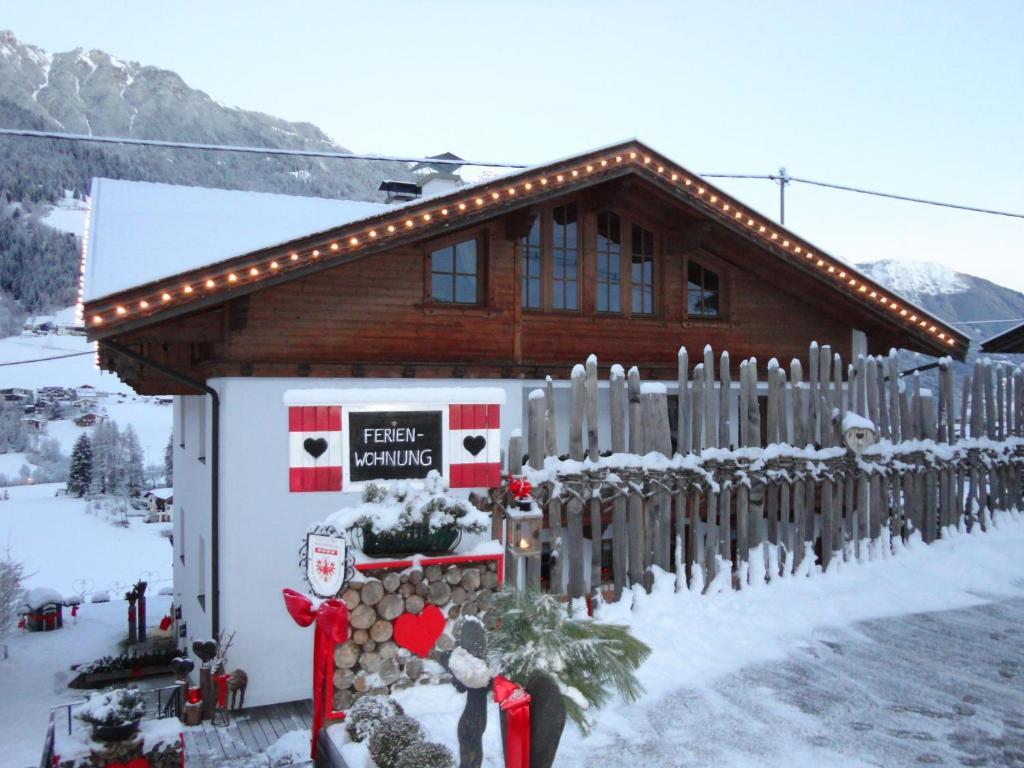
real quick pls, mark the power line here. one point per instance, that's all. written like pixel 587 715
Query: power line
pixel 250 150
pixel 44 359
pixel 782 177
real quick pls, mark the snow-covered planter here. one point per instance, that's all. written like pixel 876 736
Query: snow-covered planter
pixel 367 714
pixel 114 715
pixel 397 521
pixel 392 738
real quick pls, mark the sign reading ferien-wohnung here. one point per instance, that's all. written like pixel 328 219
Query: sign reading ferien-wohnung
pixel 342 439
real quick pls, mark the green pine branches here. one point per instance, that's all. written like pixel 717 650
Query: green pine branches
pixel 533 632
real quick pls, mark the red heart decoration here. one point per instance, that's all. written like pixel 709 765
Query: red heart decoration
pixel 419 633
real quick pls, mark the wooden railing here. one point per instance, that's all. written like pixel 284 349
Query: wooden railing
pixel 755 480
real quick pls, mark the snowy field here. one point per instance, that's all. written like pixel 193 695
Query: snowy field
pixel 64 547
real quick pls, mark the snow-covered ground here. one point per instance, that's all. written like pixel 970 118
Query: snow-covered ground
pixel 35 675
pixel 63 545
pixel 726 682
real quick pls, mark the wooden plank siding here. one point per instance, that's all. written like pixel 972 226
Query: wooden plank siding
pixel 373 316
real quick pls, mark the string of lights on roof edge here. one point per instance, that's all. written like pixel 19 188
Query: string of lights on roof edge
pixel 500 191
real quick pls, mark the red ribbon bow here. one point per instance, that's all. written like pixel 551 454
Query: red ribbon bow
pixel 520 487
pixel 331 619
pixel 515 703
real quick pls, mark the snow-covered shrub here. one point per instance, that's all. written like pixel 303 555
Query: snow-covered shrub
pixel 12 591
pixel 392 738
pixel 290 749
pixel 116 707
pixel 385 510
pixel 533 632
pixel 100 596
pixel 426 755
pixel 368 713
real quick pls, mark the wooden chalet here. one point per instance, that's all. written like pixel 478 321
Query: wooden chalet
pixel 618 252
pixel 284 326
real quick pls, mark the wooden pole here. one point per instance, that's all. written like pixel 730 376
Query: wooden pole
pixel 536 428
pixel 617 405
pixel 813 433
pixel 636 428
pixel 577 408
pixel 724 402
pixel 684 438
pixel 710 401
pixel 799 405
pixel 697 408
pixel 593 449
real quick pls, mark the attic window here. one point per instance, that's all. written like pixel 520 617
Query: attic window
pixel 453 273
pixel 701 291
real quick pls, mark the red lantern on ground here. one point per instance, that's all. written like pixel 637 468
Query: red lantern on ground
pixel 221 682
pixel 195 696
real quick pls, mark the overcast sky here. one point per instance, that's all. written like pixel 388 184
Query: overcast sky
pixel 920 98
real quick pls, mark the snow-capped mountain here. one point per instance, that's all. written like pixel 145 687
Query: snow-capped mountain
pixel 94 92
pixel 971 303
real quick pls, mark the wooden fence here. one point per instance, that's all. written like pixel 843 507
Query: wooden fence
pixel 756 482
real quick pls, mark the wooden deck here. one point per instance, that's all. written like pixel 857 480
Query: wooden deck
pixel 248 733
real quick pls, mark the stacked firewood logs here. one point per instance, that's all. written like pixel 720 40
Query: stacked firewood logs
pixel 371 661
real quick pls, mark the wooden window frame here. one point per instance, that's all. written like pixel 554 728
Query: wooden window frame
pixel 482 272
pixel 521 244
pixel 713 263
pixel 627 220
pixel 578 280
pixel 655 276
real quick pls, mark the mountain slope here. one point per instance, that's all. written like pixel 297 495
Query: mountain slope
pixel 93 92
pixel 955 297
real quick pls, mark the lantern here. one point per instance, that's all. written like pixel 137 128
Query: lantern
pixel 522 530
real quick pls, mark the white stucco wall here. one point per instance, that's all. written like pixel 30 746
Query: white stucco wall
pixel 262 524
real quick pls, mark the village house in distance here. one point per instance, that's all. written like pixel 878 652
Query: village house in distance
pixel 313 345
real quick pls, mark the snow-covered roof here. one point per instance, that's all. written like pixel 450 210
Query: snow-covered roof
pixel 161 493
pixel 37 597
pixel 139 231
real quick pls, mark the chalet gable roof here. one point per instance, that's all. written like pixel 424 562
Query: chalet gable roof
pixel 396 225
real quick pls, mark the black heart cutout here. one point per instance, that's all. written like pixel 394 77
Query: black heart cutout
pixel 474 443
pixel 315 446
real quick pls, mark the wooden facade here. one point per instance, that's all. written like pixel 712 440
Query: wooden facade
pixel 371 312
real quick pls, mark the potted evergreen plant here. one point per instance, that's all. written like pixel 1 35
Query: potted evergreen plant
pixel 398 521
pixel 114 715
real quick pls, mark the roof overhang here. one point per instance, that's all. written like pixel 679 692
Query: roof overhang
pixel 1008 342
pixel 398 225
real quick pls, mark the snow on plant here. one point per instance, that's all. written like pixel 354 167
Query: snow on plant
pixel 116 707
pixel 534 632
pixel 399 506
pixel 392 737
pixel 425 755
pixel 368 713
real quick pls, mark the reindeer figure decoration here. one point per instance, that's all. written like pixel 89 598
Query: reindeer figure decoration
pixel 237 683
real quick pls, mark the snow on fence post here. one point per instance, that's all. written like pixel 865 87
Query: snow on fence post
pixel 577 407
pixel 812 393
pixel 591 392
pixel 684 438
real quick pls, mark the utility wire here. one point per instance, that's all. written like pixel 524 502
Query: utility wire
pixel 783 177
pixel 250 150
pixel 44 359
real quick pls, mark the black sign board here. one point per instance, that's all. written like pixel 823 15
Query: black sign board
pixel 394 445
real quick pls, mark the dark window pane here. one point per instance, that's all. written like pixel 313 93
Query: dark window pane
pixel 465 257
pixel 693 300
pixel 711 303
pixel 441 260
pixel 465 289
pixel 710 280
pixel 615 302
pixel 533 295
pixel 693 274
pixel 441 287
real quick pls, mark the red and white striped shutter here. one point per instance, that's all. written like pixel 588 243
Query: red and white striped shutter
pixel 474 447
pixel 314 448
